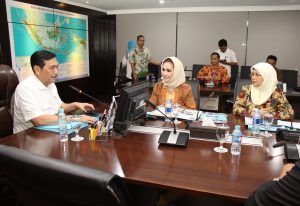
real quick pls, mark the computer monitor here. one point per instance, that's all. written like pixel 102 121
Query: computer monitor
pixel 131 105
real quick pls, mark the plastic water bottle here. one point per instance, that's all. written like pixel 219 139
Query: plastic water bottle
pixel 168 109
pixel 256 122
pixel 236 140
pixel 63 133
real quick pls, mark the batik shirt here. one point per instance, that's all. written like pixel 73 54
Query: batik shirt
pixel 213 71
pixel 277 104
pixel 140 59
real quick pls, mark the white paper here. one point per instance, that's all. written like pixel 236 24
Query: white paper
pixel 208 122
pixel 288 124
pixel 253 141
pixel 187 114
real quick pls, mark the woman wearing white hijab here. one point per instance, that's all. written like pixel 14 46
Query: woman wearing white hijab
pixel 173 86
pixel 263 94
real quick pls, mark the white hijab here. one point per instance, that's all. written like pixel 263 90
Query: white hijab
pixel 178 75
pixel 261 94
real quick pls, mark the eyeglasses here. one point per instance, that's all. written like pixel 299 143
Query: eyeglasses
pixel 254 74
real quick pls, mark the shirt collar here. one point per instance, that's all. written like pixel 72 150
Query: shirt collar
pixel 40 84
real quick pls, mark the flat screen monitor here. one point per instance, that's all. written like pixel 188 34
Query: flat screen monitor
pixel 131 105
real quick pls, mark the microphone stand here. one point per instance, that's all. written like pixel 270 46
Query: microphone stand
pixel 205 102
pixel 81 92
pixel 171 138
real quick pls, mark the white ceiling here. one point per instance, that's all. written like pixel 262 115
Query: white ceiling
pixel 142 6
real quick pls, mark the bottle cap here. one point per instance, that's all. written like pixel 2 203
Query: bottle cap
pixel 61 111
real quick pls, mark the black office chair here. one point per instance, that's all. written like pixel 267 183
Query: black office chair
pixel 154 69
pixel 234 73
pixel 196 90
pixel 196 68
pixel 245 72
pixel 44 181
pixel 237 88
pixel 289 77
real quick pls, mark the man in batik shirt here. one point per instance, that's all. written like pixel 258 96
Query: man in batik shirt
pixel 214 71
pixel 139 59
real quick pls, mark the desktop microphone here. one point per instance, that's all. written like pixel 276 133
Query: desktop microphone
pixel 81 92
pixel 167 137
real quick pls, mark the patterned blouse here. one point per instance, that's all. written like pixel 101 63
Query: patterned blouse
pixel 140 59
pixel 277 103
pixel 213 71
pixel 183 95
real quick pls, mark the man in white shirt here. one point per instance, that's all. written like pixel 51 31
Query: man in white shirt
pixel 36 97
pixel 227 56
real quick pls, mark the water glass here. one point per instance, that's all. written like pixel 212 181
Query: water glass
pixel 268 119
pixel 222 134
pixel 76 125
pixel 175 110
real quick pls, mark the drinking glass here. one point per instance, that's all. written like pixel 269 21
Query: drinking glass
pixel 222 134
pixel 268 119
pixel 76 124
pixel 175 110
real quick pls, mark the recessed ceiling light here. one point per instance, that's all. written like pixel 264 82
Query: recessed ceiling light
pixel 161 1
pixel 87 2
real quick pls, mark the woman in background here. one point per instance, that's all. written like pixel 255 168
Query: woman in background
pixel 173 86
pixel 125 61
pixel 263 94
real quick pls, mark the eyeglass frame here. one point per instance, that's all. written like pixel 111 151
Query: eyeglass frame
pixel 254 74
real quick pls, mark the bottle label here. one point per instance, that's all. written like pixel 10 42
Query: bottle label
pixel 236 138
pixel 168 109
pixel 256 121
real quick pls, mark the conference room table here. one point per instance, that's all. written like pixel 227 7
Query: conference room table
pixel 138 159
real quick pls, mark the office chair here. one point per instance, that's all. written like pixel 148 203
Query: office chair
pixel 245 72
pixel 196 68
pixel 289 77
pixel 196 91
pixel 8 84
pixel 154 69
pixel 237 88
pixel 45 181
pixel 234 73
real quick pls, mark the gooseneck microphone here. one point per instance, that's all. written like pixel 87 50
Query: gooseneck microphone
pixel 167 137
pixel 204 103
pixel 208 98
pixel 81 92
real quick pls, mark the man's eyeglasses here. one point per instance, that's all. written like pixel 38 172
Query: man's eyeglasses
pixel 254 74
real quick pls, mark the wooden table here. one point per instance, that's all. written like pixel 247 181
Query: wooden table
pixel 139 159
